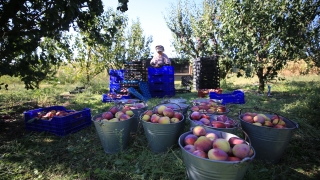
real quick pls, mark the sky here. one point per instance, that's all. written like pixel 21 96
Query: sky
pixel 151 15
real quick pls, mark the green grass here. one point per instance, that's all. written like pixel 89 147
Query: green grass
pixel 33 155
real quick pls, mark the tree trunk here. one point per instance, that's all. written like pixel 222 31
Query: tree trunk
pixel 261 79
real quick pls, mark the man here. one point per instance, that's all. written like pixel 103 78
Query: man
pixel 161 58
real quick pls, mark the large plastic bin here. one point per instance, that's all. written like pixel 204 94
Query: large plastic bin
pixel 236 97
pixel 58 125
pixel 161 70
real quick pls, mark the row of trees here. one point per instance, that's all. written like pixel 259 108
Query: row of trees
pixel 32 34
pixel 258 37
pixel 129 43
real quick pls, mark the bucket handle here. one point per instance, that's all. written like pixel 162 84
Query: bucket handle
pixel 168 100
pixel 180 109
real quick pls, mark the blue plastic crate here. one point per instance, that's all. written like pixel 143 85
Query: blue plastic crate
pixel 116 76
pixel 144 88
pixel 161 70
pixel 162 89
pixel 115 87
pixel 116 79
pixel 236 97
pixel 161 85
pixel 58 125
pixel 161 94
pixel 164 78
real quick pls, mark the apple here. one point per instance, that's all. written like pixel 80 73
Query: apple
pixel 178 115
pixel 160 109
pixel 146 117
pixel 164 120
pixel 124 117
pixel 174 120
pixel 168 112
pixel 155 118
pixel 107 115
pixel 114 109
pixel 149 112
pixel 130 113
pixel 118 114
pixel 195 115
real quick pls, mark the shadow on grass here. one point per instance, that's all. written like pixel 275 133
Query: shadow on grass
pixel 81 156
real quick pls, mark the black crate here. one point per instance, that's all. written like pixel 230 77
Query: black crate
pixel 206 71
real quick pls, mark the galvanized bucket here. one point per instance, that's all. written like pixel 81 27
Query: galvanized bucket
pixel 161 137
pixel 206 169
pixel 114 136
pixel 269 143
pixel 212 117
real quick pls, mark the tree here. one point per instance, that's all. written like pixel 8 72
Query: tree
pixel 262 36
pixel 111 53
pixel 90 57
pixel 195 31
pixel 138 43
pixel 23 23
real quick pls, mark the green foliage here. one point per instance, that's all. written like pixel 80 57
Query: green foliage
pixel 193 28
pixel 262 36
pixel 138 45
pixel 25 23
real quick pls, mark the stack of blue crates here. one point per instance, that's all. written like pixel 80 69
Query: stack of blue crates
pixel 116 77
pixel 161 81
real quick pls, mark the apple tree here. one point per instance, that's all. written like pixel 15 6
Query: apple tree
pixel 195 31
pixel 138 45
pixel 23 24
pixel 129 43
pixel 262 36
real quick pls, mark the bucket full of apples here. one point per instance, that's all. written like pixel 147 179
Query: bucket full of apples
pixel 137 108
pixel 113 128
pixel 209 106
pixel 212 121
pixel 269 132
pixel 162 126
pixel 209 154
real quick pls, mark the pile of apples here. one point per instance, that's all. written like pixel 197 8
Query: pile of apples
pixel 210 146
pixel 221 121
pixel 210 107
pixel 49 115
pixel 115 114
pixel 260 119
pixel 162 115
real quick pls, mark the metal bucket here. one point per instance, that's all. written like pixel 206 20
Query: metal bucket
pixel 206 169
pixel 161 137
pixel 269 143
pixel 114 136
pixel 212 117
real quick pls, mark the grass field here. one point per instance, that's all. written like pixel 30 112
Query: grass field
pixel 33 155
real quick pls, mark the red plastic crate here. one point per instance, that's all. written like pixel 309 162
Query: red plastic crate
pixel 60 126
